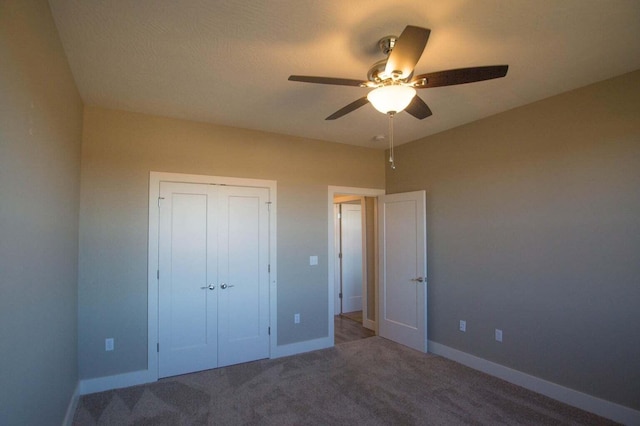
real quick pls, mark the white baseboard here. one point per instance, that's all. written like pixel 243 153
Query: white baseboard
pixel 601 407
pixel 298 348
pixel 124 380
pixel 100 384
pixel 71 408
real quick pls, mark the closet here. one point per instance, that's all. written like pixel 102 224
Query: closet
pixel 213 277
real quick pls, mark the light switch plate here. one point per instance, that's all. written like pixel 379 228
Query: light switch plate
pixel 313 260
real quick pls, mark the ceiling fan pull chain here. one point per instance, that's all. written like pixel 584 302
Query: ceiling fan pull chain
pixel 391 159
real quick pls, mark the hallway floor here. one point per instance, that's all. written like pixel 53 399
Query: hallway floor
pixel 347 329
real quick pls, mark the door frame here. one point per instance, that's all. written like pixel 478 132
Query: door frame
pixel 332 192
pixel 153 252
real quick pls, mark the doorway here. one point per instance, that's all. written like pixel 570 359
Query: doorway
pixel 353 262
pixel 351 247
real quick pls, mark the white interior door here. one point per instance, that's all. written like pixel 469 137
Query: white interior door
pixel 403 269
pixel 213 295
pixel 351 257
pixel 187 322
pixel 243 275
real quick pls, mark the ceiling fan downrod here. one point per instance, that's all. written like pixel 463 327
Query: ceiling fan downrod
pixel 386 44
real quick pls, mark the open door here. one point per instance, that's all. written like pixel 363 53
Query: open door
pixel 403 269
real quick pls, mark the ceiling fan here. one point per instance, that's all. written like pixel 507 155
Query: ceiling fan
pixel 393 81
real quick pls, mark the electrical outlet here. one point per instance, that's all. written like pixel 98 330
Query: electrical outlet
pixel 498 335
pixel 108 344
pixel 296 318
pixel 463 325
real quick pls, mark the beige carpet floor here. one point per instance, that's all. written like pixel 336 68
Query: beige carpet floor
pixel 367 382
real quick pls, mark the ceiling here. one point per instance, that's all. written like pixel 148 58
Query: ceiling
pixel 227 62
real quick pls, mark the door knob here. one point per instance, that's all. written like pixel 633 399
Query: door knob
pixel 210 287
pixel 224 285
pixel 419 279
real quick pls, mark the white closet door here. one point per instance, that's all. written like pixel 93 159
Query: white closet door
pixel 214 276
pixel 243 262
pixel 188 315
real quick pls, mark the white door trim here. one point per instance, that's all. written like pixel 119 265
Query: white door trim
pixel 152 281
pixel 332 192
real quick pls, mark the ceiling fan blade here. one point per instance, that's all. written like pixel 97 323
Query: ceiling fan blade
pixel 459 76
pixel 326 80
pixel 407 51
pixel 349 108
pixel 418 108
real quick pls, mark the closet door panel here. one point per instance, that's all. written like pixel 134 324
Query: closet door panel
pixel 243 272
pixel 186 285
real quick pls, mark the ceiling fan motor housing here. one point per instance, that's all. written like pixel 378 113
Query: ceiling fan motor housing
pixel 377 72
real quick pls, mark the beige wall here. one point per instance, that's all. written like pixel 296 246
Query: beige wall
pixel 534 228
pixel 120 148
pixel 40 135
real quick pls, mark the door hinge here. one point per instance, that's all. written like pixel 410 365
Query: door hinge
pixel 269 331
pixel 158 273
pixel 339 255
pixel 268 268
pixel 158 347
pixel 268 203
pixel 160 198
pixel 340 295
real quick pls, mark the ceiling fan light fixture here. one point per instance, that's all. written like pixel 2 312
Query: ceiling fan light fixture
pixel 391 99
